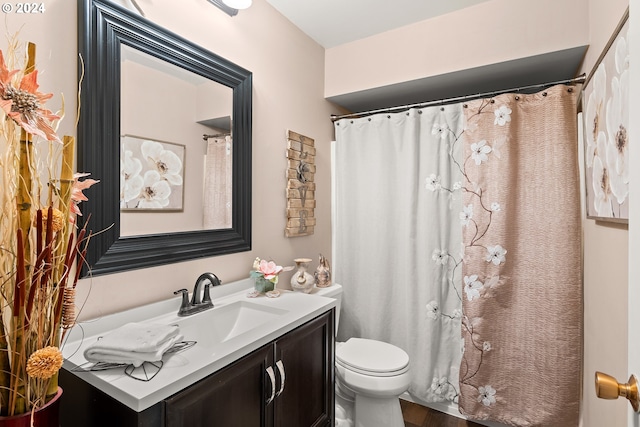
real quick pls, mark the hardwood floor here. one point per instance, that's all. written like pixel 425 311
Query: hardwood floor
pixel 418 416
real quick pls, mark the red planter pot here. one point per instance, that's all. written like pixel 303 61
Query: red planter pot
pixel 47 416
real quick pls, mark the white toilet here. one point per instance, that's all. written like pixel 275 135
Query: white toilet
pixel 370 376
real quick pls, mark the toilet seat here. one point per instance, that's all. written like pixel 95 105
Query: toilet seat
pixel 371 357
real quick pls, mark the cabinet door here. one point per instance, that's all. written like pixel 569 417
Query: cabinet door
pixel 306 357
pixel 84 405
pixel 232 397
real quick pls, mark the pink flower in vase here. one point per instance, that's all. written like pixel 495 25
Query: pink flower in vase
pixel 269 269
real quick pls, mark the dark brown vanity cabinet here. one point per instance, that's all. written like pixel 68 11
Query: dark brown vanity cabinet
pixel 233 396
pixel 286 383
pixel 307 355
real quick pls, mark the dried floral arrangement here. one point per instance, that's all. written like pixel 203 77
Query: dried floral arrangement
pixel 39 239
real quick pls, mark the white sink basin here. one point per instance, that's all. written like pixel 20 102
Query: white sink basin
pixel 235 327
pixel 219 324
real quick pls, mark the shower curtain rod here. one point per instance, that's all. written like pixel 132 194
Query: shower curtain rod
pixel 217 135
pixel 576 80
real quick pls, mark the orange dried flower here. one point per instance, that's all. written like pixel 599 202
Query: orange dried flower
pixel 44 363
pixel 58 218
pixel 25 104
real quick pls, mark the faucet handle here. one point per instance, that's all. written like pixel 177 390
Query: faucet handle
pixel 181 291
pixel 206 298
pixel 185 298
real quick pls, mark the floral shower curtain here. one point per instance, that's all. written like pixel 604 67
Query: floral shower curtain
pixel 522 271
pixel 458 239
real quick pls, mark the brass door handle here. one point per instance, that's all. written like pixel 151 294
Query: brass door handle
pixel 608 387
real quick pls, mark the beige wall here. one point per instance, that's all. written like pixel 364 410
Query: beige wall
pixel 633 315
pixel 487 33
pixel 288 70
pixel 605 269
pixel 146 115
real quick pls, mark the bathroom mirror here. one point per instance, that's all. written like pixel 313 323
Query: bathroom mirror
pixel 108 37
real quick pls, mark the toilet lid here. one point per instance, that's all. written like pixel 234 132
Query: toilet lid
pixel 372 357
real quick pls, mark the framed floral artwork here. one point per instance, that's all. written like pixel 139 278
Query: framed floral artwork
pixel 151 175
pixel 605 112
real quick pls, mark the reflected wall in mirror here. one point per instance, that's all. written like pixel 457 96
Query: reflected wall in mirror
pixel 199 119
pixel 128 63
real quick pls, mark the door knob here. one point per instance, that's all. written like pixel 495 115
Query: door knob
pixel 608 387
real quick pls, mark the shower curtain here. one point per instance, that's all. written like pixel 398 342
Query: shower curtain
pixel 217 183
pixel 522 321
pixel 457 238
pixel 397 239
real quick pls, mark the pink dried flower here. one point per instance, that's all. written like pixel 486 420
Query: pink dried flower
pixel 77 195
pixel 269 269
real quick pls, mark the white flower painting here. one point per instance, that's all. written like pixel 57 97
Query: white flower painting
pixel 151 175
pixel 605 133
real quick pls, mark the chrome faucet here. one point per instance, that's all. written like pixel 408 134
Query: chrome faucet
pixel 196 305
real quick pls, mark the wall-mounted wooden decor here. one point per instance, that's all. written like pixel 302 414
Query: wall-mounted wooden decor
pixel 301 188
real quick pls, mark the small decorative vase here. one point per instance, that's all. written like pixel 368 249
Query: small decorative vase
pixel 46 416
pixel 323 273
pixel 301 280
pixel 263 285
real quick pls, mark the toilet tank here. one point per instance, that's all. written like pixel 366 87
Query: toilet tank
pixel 333 291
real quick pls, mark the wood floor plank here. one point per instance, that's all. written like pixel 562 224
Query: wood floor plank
pixel 412 413
pixel 419 416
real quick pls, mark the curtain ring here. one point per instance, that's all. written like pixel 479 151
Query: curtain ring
pixel 517 98
pixel 441 108
pixel 419 111
pixel 464 105
pixel 388 116
pixel 570 89
pixel 369 119
pixel 493 101
pixel 544 93
pixel 351 121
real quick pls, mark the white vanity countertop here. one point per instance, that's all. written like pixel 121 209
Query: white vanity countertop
pixel 180 370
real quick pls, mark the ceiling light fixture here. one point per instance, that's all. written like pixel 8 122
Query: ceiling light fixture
pixel 223 7
pixel 230 7
pixel 237 4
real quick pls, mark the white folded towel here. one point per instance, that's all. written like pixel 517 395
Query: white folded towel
pixel 133 343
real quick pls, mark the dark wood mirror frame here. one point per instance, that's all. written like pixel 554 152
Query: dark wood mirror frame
pixel 102 28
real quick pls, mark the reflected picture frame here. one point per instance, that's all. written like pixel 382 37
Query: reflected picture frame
pixel 605 123
pixel 153 175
